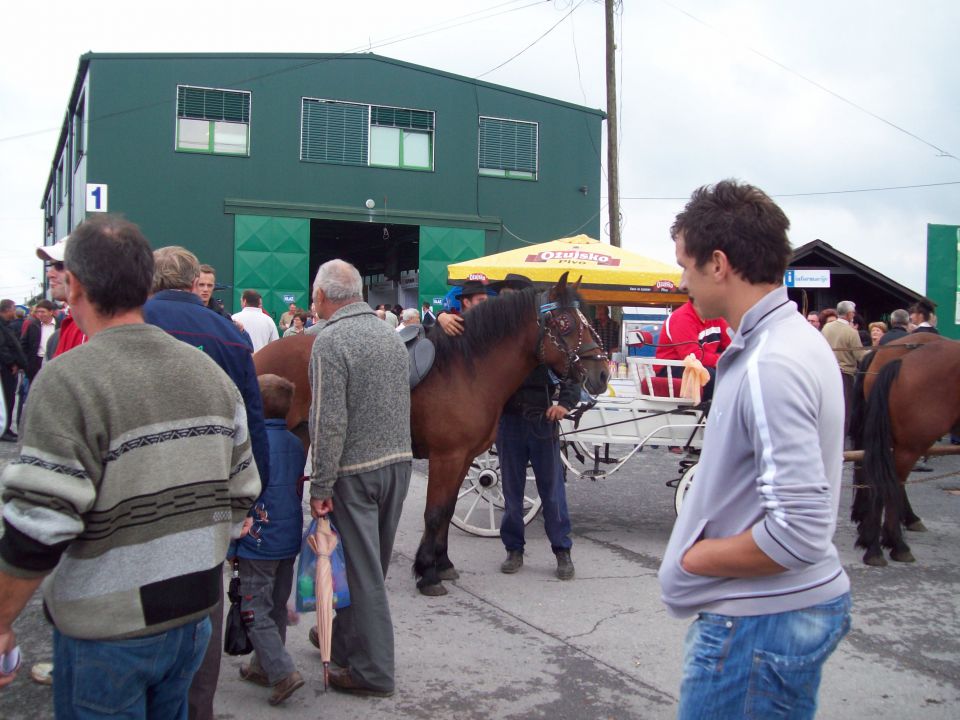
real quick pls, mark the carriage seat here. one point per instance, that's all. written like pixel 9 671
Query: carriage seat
pixel 420 350
pixel 652 385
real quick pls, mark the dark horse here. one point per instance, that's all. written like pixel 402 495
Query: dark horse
pixel 906 396
pixel 455 409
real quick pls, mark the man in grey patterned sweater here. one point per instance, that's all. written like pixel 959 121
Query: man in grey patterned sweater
pixel 126 509
pixel 360 438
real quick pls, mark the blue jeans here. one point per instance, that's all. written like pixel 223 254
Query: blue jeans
pixel 535 441
pixel 760 666
pixel 138 678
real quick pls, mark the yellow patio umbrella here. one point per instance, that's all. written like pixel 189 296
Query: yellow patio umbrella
pixel 611 275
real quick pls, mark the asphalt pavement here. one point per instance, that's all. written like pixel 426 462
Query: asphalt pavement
pixel 602 645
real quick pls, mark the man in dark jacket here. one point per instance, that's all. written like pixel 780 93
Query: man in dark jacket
pixel 899 320
pixel 12 360
pixel 177 308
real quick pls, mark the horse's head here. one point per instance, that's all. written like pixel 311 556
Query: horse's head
pixel 568 343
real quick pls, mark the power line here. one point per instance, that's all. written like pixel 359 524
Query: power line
pixel 293 68
pixel 552 28
pixel 820 192
pixel 819 86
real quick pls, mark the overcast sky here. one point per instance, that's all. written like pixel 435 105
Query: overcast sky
pixel 708 89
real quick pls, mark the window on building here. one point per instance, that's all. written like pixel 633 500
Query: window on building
pixel 508 148
pixel 401 138
pixel 215 122
pixel 358 134
pixel 61 186
pixel 78 136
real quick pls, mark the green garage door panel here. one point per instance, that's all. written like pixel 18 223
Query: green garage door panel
pixel 943 276
pixel 272 256
pixel 440 247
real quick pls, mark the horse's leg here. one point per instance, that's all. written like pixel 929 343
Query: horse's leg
pixel 443 483
pixel 445 568
pixel 867 513
pixel 911 520
pixel 904 460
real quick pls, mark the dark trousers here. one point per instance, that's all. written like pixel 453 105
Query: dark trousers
pixel 847 401
pixel 9 382
pixel 520 441
pixel 204 685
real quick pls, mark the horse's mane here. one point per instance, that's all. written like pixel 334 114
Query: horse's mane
pixel 487 324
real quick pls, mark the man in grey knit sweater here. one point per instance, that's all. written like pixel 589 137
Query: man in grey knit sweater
pixel 360 438
pixel 127 508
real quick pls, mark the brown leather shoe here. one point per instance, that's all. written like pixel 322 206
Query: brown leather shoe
pixel 341 679
pixel 285 688
pixel 254 675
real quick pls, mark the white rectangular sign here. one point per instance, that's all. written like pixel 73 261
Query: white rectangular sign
pixel 807 278
pixel 96 197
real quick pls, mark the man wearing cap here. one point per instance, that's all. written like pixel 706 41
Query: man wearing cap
pixel 474 292
pixel 70 333
pixel 528 432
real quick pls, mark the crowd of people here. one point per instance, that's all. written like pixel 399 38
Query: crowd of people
pixel 157 405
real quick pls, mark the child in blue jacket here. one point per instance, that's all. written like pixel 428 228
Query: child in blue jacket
pixel 267 553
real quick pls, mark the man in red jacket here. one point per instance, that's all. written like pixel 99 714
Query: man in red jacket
pixel 685 333
pixel 70 333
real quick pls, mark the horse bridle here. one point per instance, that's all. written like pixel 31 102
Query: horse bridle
pixel 554 324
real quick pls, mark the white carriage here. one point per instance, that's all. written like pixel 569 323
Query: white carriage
pixel 641 410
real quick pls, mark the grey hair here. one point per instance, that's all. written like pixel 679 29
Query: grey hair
pixel 845 307
pixel 409 314
pixel 339 281
pixel 899 318
pixel 174 268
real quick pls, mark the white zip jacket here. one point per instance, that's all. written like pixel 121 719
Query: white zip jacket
pixel 771 462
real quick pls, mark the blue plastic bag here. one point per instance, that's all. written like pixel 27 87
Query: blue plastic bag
pixel 307 574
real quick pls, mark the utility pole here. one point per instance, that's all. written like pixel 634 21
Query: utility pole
pixel 613 174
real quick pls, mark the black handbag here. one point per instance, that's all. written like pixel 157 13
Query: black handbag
pixel 235 638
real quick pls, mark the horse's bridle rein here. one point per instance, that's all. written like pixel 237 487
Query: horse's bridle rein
pixel 554 324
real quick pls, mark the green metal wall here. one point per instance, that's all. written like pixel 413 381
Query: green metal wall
pixel 440 247
pixel 272 256
pixel 943 276
pixel 185 198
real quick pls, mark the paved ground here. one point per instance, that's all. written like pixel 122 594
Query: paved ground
pixel 602 646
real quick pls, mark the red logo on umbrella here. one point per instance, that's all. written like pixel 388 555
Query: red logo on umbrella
pixel 573 256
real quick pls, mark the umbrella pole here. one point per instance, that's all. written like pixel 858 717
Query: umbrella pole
pixel 326 675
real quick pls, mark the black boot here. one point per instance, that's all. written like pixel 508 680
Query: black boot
pixel 564 565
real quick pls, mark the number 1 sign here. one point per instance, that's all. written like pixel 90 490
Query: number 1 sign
pixel 96 197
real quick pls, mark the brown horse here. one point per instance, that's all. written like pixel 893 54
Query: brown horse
pixel 455 409
pixel 906 396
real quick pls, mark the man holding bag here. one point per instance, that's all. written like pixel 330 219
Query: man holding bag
pixel 360 437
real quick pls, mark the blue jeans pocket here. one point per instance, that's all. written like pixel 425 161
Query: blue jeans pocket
pixel 785 684
pixel 710 639
pixel 112 676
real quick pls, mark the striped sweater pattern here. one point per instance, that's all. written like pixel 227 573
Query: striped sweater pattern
pixel 134 472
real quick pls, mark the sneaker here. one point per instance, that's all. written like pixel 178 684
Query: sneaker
pixel 564 565
pixel 285 688
pixel 513 562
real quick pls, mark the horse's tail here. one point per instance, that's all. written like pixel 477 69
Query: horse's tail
pixel 879 473
pixel 859 402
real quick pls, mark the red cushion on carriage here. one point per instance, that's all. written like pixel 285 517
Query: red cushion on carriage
pixel 661 386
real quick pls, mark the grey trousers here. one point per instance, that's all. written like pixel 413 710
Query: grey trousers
pixel 366 511
pixel 265 586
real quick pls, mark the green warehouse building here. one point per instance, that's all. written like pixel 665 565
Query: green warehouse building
pixel 267 165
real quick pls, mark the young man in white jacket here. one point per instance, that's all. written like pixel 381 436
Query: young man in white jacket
pixel 751 554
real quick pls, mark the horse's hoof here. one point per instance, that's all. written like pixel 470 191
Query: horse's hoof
pixel 917 526
pixel 876 560
pixel 904 556
pixel 437 590
pixel 449 573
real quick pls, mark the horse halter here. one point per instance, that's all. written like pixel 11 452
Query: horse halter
pixel 556 322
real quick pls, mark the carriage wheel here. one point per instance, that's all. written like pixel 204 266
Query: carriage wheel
pixel 683 487
pixel 611 458
pixel 479 509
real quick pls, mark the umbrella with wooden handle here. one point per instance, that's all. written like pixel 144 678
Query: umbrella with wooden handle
pixel 323 542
